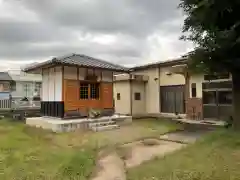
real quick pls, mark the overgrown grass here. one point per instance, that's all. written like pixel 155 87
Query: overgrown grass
pixel 31 153
pixel 216 157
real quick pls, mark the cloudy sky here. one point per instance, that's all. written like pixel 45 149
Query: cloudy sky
pixel 128 32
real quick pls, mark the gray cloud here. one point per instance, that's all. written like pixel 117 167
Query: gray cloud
pixel 137 17
pixel 59 26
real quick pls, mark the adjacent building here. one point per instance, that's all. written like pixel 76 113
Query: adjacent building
pixel 168 88
pixel 25 85
pixel 5 85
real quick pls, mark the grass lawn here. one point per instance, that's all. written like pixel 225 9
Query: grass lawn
pixel 217 157
pixel 30 153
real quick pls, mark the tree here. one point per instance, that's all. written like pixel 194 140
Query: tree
pixel 214 27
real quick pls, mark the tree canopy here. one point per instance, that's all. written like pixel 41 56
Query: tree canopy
pixel 214 26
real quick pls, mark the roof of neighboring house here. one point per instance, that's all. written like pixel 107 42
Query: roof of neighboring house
pixel 171 62
pixel 4 76
pixel 22 76
pixel 78 60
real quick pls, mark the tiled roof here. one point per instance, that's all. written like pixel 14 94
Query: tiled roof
pixel 4 76
pixel 79 60
pixel 162 63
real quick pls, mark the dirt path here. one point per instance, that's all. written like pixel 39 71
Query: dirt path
pixel 112 166
pixel 141 153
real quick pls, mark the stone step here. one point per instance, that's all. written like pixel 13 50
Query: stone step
pixel 104 123
pixel 103 119
pixel 105 128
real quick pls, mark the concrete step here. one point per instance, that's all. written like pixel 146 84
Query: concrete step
pixel 105 128
pixel 102 119
pixel 104 123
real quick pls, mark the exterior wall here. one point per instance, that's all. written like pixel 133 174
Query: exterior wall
pixel 45 85
pixel 122 106
pixel 72 78
pixel 20 90
pixel 138 106
pixel 194 105
pixel 52 84
pixel 58 84
pixel 152 88
pixel 71 74
pixel 199 79
pixel 169 80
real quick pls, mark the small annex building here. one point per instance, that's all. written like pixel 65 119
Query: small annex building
pixel 75 83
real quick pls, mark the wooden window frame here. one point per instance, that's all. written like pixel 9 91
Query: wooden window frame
pixel 90 90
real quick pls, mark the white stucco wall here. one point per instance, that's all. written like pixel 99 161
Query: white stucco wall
pixel 45 86
pixel 58 84
pixel 122 106
pixel 52 84
pixel 198 79
pixel 138 106
pixel 169 80
pixel 152 89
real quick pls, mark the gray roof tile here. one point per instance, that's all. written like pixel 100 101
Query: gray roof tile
pixel 4 76
pixel 80 60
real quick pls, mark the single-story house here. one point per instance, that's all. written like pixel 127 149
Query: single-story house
pixel 168 88
pixel 5 85
pixel 75 83
pixel 25 85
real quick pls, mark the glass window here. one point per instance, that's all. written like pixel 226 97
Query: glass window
pixel 89 90
pixel 84 91
pixel 225 97
pixel 209 97
pixel 94 91
pixel 137 96
pixel 118 96
pixel 194 90
pixel 26 89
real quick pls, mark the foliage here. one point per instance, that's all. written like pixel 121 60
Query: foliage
pixel 214 26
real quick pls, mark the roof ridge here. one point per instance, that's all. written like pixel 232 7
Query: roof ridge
pixel 103 61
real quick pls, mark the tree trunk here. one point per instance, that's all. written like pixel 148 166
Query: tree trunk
pixel 236 99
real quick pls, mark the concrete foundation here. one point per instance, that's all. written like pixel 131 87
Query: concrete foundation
pixel 59 125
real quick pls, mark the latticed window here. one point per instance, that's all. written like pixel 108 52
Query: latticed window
pixel 94 91
pixel 89 90
pixel 84 90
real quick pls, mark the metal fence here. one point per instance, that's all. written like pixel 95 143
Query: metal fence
pixel 5 104
pixel 18 103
